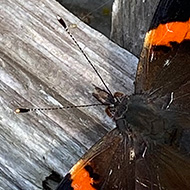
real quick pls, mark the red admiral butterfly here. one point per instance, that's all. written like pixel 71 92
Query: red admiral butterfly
pixel 146 149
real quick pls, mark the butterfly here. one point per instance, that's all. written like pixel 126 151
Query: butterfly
pixel 148 149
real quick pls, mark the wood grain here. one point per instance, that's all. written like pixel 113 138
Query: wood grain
pixel 40 66
pixel 130 21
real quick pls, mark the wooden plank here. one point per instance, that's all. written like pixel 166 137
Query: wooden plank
pixel 130 21
pixel 42 67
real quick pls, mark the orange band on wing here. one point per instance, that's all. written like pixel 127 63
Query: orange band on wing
pixel 80 177
pixel 82 180
pixel 169 32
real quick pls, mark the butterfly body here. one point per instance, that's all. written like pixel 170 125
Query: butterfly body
pixel 145 117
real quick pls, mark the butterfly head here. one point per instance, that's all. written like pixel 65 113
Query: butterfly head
pixel 111 101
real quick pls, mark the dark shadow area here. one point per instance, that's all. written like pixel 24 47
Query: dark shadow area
pixel 96 14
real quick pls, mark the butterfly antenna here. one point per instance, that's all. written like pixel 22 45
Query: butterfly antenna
pixel 61 21
pixel 25 110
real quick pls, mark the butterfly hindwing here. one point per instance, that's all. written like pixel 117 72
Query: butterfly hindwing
pixel 102 166
pixel 113 163
pixel 157 171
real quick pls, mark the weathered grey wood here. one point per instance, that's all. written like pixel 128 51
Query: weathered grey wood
pixel 41 67
pixel 130 22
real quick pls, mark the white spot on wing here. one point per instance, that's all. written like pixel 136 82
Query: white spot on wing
pixel 141 183
pixel 152 56
pixel 171 100
pixel 167 62
pixel 168 28
pixel 143 155
pixel 132 154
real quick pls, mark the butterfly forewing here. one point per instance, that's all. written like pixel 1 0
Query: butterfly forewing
pixel 165 60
